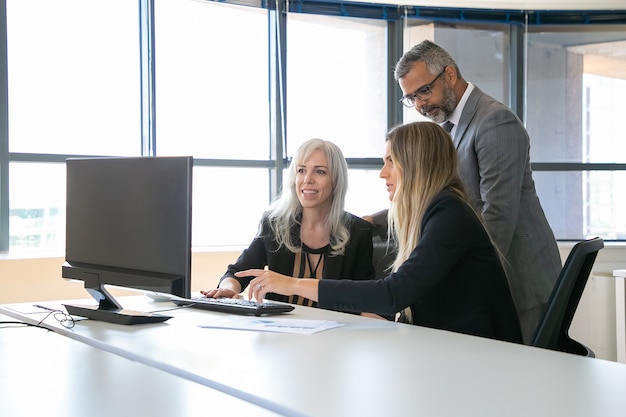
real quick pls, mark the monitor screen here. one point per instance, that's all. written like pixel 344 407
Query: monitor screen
pixel 128 224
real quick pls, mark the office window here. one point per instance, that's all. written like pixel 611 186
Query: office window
pixel 212 102
pixel 37 212
pixel 227 205
pixel 73 82
pixel 367 192
pixel 211 80
pixel 575 79
pixel 337 91
pixel 337 83
pixel 74 89
pixel 73 71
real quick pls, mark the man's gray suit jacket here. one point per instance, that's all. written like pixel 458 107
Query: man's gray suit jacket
pixel 494 164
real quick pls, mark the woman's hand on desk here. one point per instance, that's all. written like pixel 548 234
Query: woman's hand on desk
pixel 269 281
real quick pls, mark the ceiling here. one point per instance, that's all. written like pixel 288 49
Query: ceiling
pixel 511 4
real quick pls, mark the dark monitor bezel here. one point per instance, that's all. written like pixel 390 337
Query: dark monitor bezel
pixel 160 186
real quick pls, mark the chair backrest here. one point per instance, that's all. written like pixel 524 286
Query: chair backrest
pixel 383 256
pixel 552 331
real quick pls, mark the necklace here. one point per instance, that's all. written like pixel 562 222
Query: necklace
pixel 311 269
pixel 308 252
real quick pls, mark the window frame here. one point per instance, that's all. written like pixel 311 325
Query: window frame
pixel 395 17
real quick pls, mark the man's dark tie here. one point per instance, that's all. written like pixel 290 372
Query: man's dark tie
pixel 448 125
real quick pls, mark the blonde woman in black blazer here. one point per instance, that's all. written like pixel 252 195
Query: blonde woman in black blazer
pixel 494 164
pixel 447 273
pixel 306 233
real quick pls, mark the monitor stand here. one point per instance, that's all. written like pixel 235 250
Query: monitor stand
pixel 118 316
pixel 109 310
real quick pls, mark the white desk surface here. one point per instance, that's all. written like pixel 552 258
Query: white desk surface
pixel 46 374
pixel 366 368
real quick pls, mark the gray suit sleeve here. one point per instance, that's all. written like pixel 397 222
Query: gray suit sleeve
pixel 380 224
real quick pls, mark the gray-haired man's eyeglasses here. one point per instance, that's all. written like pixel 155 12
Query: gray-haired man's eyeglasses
pixel 423 93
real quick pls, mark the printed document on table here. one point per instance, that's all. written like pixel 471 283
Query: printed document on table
pixel 271 324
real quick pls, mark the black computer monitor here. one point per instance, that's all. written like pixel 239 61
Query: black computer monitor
pixel 128 224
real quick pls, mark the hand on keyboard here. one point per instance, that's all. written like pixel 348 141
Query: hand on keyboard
pixel 233 305
pixel 221 293
pixel 225 300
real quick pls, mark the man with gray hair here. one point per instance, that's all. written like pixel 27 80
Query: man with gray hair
pixel 494 164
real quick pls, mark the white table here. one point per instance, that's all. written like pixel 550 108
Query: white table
pixel 620 313
pixel 46 374
pixel 366 368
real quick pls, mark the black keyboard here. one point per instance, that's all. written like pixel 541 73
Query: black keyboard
pixel 233 305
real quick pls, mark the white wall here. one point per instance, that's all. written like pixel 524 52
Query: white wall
pixel 39 279
pixel 594 321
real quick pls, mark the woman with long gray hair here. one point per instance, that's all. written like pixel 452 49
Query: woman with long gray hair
pixel 306 233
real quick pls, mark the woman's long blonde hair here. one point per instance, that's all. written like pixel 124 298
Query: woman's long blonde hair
pixel 426 164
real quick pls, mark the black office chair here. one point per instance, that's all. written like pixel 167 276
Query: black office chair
pixel 552 331
pixel 385 251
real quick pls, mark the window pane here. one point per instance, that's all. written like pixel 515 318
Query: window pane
pixel 602 111
pixel 222 214
pixel 367 192
pixel 576 77
pixel 211 80
pixel 228 204
pixel 337 83
pixel 37 207
pixel 581 205
pixel 575 81
pixel 73 70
